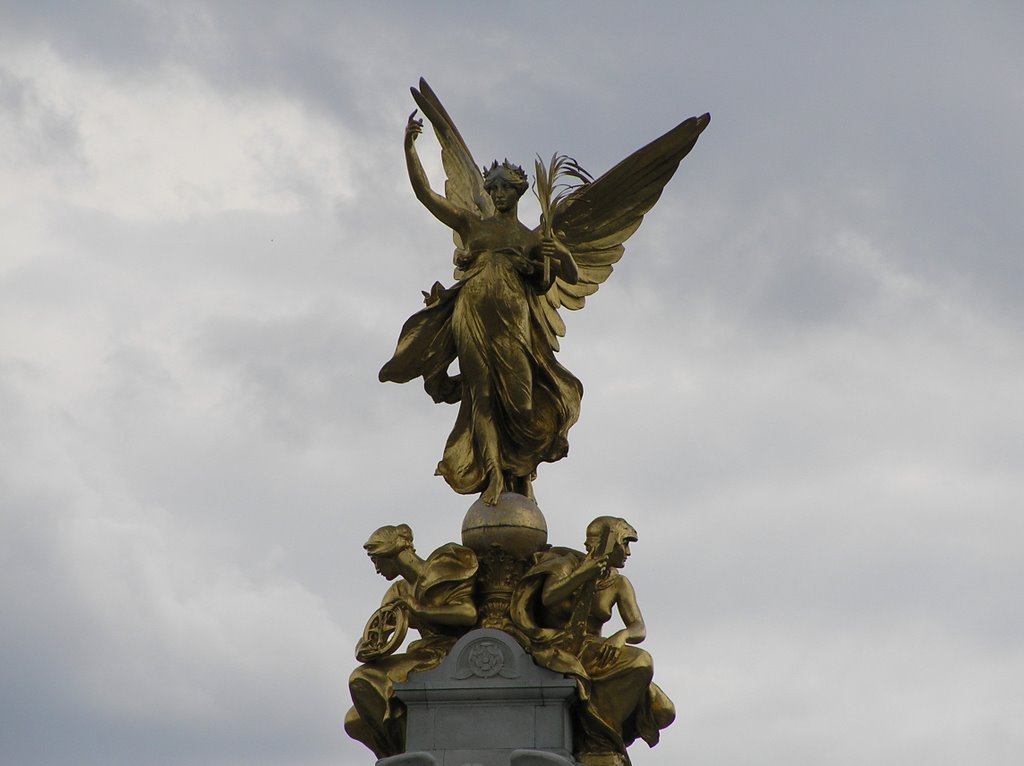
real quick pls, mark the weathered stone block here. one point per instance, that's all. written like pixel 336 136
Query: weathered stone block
pixel 486 701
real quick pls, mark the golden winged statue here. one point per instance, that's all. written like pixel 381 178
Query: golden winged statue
pixel 500 319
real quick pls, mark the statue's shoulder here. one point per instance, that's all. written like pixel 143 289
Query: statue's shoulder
pixel 398 591
pixel 450 562
pixel 556 558
pixel 554 561
pixel 622 583
pixel 452 551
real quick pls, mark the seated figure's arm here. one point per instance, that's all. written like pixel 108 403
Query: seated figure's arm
pixel 457 608
pixel 398 592
pixel 629 612
pixel 562 583
pixel 462 615
pixel 635 630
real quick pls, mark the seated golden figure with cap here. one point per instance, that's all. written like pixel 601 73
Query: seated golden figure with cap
pixel 562 604
pixel 433 596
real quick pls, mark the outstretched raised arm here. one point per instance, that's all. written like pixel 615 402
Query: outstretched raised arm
pixel 439 206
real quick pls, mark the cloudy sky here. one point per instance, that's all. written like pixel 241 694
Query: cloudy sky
pixel 804 379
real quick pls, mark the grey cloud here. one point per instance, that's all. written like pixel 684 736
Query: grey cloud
pixel 40 134
pixel 120 34
pixel 802 379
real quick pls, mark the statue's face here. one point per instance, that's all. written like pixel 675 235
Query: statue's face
pixel 620 552
pixel 386 566
pixel 620 538
pixel 504 195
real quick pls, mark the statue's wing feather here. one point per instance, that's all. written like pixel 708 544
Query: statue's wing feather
pixel 465 184
pixel 610 209
pixel 598 217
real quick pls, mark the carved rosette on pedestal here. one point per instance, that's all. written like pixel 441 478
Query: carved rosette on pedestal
pixel 511 665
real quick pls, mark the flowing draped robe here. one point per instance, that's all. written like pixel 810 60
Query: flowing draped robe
pixel 509 377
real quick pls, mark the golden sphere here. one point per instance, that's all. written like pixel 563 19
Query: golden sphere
pixel 515 524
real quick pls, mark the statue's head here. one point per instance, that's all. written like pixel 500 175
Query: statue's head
pixel 620 535
pixel 506 183
pixel 384 546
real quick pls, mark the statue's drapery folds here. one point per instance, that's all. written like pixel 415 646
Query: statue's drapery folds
pixel 510 380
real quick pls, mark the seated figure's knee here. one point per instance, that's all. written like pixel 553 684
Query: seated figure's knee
pixel 353 723
pixel 640 660
pixel 664 711
pixel 642 666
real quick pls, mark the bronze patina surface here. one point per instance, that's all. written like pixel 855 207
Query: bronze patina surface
pixel 500 319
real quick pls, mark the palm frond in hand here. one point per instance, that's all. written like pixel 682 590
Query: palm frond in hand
pixel 552 184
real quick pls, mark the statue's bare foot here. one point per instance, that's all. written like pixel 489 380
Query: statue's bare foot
pixel 494 489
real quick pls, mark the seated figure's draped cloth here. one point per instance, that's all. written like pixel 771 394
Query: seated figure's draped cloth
pixel 509 377
pixel 618 701
pixel 376 718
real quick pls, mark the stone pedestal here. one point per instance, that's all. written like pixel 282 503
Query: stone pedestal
pixel 487 704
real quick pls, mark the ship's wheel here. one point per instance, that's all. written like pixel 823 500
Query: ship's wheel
pixel 384 632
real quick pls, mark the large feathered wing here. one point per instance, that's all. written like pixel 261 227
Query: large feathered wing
pixel 597 218
pixel 464 185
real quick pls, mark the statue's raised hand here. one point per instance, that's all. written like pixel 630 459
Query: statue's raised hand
pixel 413 128
pixel 593 567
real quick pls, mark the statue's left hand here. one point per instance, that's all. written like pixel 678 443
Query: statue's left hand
pixel 550 248
pixel 613 644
